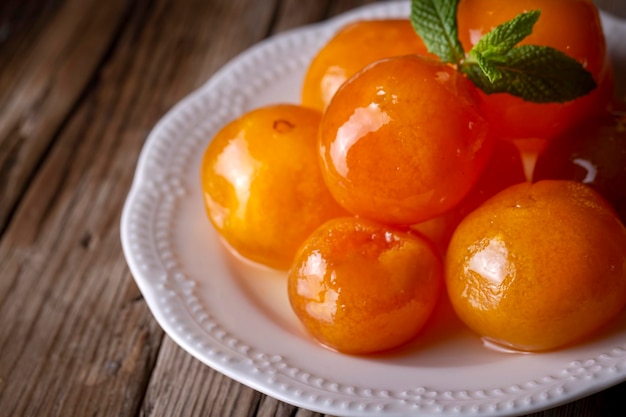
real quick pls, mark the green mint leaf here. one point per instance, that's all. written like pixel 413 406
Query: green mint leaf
pixel 535 73
pixel 504 37
pixel 435 22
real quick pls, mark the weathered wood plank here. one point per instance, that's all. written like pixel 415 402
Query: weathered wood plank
pixel 44 77
pixel 341 6
pixel 182 386
pixel 70 324
pixel 21 23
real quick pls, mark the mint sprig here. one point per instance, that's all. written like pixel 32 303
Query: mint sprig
pixel 435 22
pixel 496 64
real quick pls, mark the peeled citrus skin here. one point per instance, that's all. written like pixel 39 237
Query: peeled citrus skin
pixel 263 189
pixel 538 266
pixel 352 48
pixel 402 141
pixel 359 287
pixel 571 26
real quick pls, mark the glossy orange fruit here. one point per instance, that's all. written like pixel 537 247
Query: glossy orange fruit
pixel 359 287
pixel 571 26
pixel 538 266
pixel 262 184
pixel 403 141
pixel 353 47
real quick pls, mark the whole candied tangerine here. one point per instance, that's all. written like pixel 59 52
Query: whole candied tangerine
pixel 571 26
pixel 538 266
pixel 403 141
pixel 359 287
pixel 262 185
pixel 356 45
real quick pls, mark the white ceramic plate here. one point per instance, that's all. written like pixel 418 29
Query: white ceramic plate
pixel 235 317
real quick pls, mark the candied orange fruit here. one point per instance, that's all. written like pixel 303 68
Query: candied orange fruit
pixel 262 185
pixel 360 287
pixel 538 266
pixel 402 141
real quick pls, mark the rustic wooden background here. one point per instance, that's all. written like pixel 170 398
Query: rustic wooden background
pixel 82 82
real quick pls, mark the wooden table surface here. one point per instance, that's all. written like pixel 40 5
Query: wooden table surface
pixel 82 82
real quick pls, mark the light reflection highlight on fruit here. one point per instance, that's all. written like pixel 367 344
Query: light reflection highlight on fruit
pixel 237 166
pixel 490 265
pixel 591 170
pixel 364 120
pixel 323 300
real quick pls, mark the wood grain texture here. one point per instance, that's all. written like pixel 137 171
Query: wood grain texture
pixel 82 82
pixel 73 323
pixel 44 76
